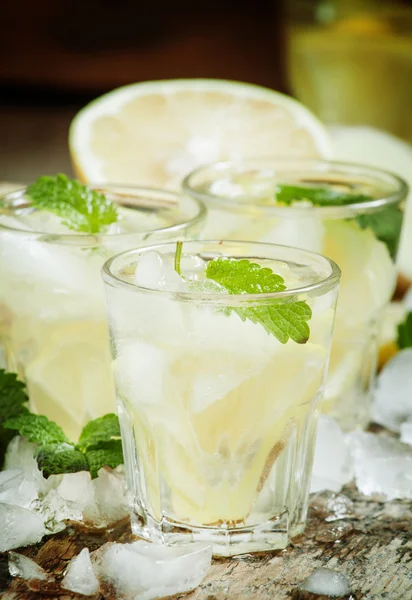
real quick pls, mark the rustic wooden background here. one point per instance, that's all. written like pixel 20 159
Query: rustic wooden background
pixel 372 545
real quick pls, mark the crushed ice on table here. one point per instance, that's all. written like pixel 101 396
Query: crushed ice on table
pixel 326 582
pixel 55 510
pixel 79 576
pixel 19 527
pixel 331 506
pixel 143 571
pixel 331 467
pixel 393 398
pixel 25 568
pixel 383 465
pixel 406 432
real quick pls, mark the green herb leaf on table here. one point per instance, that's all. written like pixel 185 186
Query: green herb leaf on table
pixel 284 318
pixel 54 459
pixel 405 332
pixel 99 444
pixel 37 429
pixel 385 223
pixel 13 400
pixel 104 454
pixel 103 429
pixel 81 208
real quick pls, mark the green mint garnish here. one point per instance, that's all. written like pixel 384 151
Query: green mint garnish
pixel 318 196
pixel 13 400
pixel 386 223
pixel 283 318
pixel 81 208
pixel 99 444
pixel 405 332
pixel 178 257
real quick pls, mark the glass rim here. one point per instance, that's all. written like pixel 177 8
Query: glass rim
pixel 140 190
pixel 327 282
pixel 324 165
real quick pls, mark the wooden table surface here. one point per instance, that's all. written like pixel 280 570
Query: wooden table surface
pixel 372 545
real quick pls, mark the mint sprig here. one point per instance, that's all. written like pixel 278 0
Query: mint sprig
pixel 81 208
pixel 404 339
pixel 99 443
pixel 385 223
pixel 284 318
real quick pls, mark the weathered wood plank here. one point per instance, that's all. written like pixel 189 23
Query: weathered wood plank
pixel 372 545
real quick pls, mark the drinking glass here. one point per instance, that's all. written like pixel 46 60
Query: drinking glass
pixel 218 416
pixel 53 328
pixel 361 236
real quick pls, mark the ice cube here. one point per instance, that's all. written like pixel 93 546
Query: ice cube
pixel 25 568
pixel 78 489
pixel 155 272
pixel 55 510
pixel 19 527
pixel 326 582
pixel 20 455
pixel 23 493
pixel 393 398
pixel 140 372
pixel 10 479
pixel 331 466
pixel 306 233
pixel 142 571
pixel 382 465
pixel 110 494
pixel 80 576
pixel 406 433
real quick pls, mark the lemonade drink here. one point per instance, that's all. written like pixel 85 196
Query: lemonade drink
pixel 349 213
pixel 53 328
pixel 217 394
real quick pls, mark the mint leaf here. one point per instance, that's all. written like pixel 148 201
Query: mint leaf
pixel 405 332
pixel 36 428
pixel 81 208
pixel 103 429
pixel 13 400
pixel 318 196
pixel 386 225
pixel 105 454
pixel 13 396
pixel 54 459
pixel 284 318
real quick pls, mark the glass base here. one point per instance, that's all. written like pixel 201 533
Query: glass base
pixel 271 535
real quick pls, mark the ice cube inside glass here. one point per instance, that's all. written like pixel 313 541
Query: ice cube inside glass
pixel 53 328
pixel 218 415
pixel 350 213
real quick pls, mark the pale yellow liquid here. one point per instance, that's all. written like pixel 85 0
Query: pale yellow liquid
pixel 357 69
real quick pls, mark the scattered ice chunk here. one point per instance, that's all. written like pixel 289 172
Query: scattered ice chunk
pixel 55 510
pixel 77 488
pixel 327 583
pixel 23 493
pixel 393 397
pixel 406 433
pixel 331 466
pixel 25 568
pixel 10 478
pixel 331 506
pixel 155 272
pixel 383 466
pixel 19 527
pixel 142 571
pixel 20 455
pixel 110 495
pixel 80 576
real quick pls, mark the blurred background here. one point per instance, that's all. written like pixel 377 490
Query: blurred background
pixel 350 61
